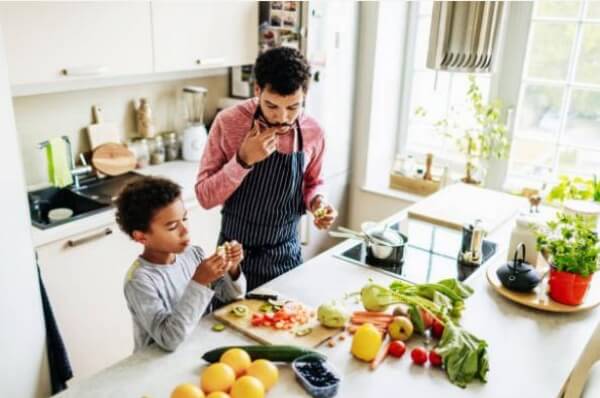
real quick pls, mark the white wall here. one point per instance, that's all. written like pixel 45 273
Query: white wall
pixel 377 109
pixel 39 117
pixel 23 366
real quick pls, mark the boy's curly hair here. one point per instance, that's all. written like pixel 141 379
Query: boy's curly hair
pixel 139 201
pixel 284 69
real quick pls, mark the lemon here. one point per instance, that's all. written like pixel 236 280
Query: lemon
pixel 265 371
pixel 366 342
pixel 187 391
pixel 238 359
pixel 218 394
pixel 217 377
pixel 247 387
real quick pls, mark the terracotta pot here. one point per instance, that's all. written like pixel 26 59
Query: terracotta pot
pixel 568 288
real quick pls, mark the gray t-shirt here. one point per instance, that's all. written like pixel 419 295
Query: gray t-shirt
pixel 166 304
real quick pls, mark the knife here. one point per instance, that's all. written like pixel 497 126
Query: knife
pixel 259 296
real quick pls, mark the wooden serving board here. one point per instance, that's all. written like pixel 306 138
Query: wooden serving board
pixel 541 300
pixel 267 335
pixel 460 204
pixel 113 159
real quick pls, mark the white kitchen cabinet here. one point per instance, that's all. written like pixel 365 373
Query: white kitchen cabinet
pixel 196 35
pixel 84 277
pixel 50 42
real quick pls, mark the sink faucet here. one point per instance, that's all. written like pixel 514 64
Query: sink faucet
pixel 76 172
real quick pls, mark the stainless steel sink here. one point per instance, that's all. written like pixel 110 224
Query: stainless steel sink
pixel 94 196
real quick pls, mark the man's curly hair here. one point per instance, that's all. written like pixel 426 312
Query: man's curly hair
pixel 139 201
pixel 284 69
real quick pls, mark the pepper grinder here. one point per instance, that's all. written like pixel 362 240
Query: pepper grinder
pixel 472 244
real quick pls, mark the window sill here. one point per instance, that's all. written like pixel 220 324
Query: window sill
pixel 393 193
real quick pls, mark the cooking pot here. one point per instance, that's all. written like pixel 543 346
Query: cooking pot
pixel 383 244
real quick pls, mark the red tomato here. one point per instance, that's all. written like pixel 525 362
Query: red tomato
pixel 419 355
pixel 437 328
pixel 435 359
pixel 397 348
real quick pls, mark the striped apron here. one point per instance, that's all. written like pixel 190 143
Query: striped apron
pixel 264 212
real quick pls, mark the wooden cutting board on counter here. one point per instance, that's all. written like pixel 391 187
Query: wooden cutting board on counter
pixel 460 204
pixel 113 159
pixel 267 335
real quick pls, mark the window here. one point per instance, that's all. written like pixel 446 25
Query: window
pixel 557 128
pixel 436 92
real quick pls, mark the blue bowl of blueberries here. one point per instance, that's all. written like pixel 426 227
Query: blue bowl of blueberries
pixel 317 376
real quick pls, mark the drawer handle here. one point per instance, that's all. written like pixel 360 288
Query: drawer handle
pixel 86 239
pixel 210 61
pixel 85 71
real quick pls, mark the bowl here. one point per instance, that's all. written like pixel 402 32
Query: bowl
pixel 59 214
pixel 317 376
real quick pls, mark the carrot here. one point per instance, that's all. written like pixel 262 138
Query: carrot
pixel 359 319
pixel 381 354
pixel 372 322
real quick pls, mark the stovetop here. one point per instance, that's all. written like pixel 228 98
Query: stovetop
pixel 431 254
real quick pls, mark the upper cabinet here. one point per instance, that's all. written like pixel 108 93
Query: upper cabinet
pixel 55 42
pixel 192 35
pixel 57 46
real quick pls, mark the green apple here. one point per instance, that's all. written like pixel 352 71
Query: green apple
pixel 401 328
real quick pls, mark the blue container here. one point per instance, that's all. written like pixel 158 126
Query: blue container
pixel 317 376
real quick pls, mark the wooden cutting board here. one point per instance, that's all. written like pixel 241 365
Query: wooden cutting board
pixel 267 335
pixel 113 159
pixel 460 204
pixel 101 132
pixel 541 300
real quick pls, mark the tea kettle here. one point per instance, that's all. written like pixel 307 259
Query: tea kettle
pixel 517 275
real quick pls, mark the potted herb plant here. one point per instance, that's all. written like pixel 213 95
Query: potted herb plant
pixel 570 244
pixel 477 131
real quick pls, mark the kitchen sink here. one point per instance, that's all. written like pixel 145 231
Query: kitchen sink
pixel 94 196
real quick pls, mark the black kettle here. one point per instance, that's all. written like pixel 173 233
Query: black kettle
pixel 517 275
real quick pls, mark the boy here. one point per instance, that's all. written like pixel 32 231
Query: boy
pixel 171 284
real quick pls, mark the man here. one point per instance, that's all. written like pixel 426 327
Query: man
pixel 263 162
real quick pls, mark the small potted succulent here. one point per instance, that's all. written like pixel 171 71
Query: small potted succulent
pixel 571 246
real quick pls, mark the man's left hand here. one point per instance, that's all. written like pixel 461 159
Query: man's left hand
pixel 324 213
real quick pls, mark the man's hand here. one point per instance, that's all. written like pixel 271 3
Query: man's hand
pixel 258 145
pixel 210 269
pixel 324 214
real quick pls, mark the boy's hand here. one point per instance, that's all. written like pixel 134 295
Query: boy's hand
pixel 233 254
pixel 324 214
pixel 210 269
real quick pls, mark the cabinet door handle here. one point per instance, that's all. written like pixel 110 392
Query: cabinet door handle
pixel 85 71
pixel 210 61
pixel 89 238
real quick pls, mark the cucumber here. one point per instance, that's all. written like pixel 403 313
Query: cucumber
pixel 275 353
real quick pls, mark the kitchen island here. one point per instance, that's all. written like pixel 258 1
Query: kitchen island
pixel 531 352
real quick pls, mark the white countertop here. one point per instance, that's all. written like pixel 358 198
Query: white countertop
pixel 182 172
pixel 531 352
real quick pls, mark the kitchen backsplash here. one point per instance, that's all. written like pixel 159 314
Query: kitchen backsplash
pixel 40 117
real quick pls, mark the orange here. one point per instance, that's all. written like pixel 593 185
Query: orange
pixel 218 394
pixel 217 377
pixel 238 359
pixel 265 371
pixel 187 391
pixel 247 387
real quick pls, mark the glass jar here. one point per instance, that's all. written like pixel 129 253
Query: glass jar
pixel 141 150
pixel 172 146
pixel 158 151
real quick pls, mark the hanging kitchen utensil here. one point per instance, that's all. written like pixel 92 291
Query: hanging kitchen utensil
pixel 113 159
pixel 101 132
pixel 517 275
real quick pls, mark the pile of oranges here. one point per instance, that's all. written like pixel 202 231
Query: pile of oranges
pixel 234 376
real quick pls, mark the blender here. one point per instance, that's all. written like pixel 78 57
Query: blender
pixel 195 133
